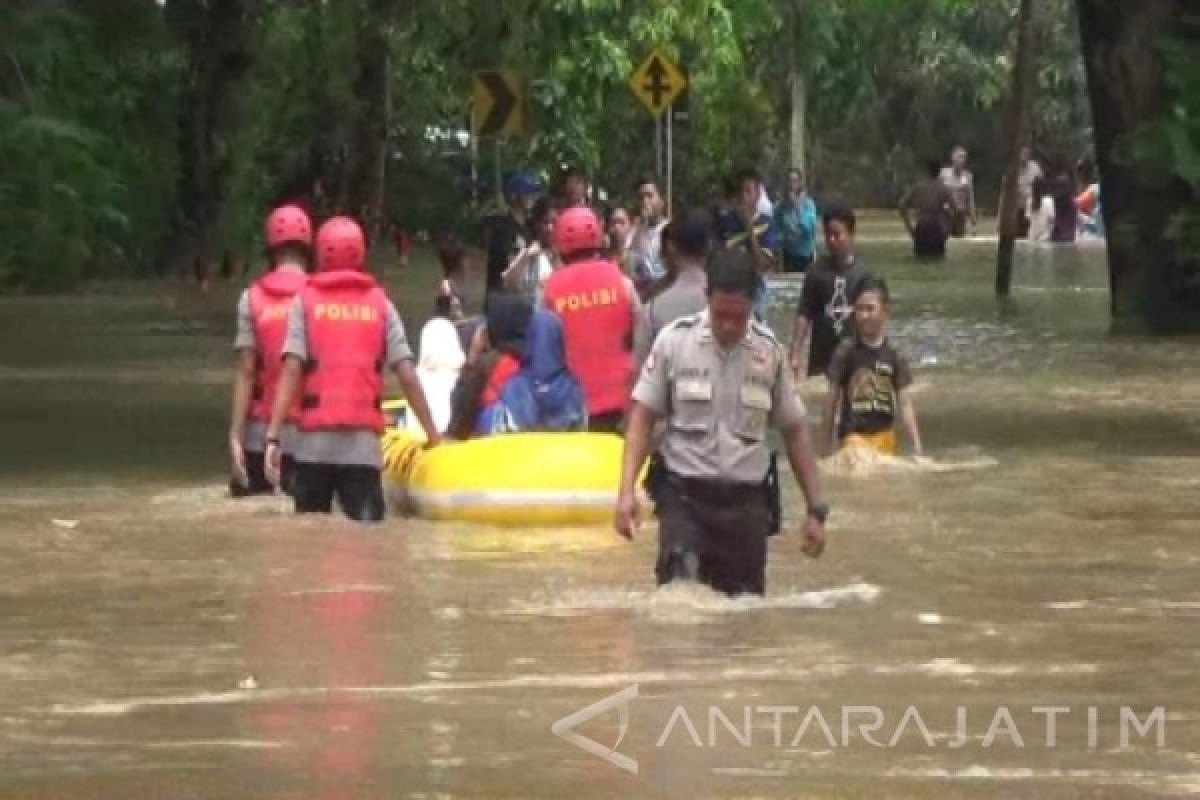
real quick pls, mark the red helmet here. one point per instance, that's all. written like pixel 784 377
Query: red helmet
pixel 577 229
pixel 340 245
pixel 288 224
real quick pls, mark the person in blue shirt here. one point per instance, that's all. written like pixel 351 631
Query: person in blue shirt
pixel 738 224
pixel 796 221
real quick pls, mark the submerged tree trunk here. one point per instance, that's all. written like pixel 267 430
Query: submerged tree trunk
pixel 215 39
pixel 1152 274
pixel 1018 116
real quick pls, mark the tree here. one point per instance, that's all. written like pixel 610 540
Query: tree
pixel 1022 88
pixel 1143 80
pixel 214 37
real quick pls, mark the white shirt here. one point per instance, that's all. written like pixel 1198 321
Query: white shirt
pixel 1041 220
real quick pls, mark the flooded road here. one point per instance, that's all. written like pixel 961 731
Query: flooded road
pixel 160 640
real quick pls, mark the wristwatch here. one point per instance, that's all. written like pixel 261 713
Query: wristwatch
pixel 819 512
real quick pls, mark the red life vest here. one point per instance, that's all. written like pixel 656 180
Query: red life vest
pixel 271 299
pixel 345 319
pixel 592 300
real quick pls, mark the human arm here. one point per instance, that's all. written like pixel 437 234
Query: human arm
pixel 800 330
pixel 908 414
pixel 636 450
pixel 285 391
pixel 410 384
pixel 790 418
pixel 243 387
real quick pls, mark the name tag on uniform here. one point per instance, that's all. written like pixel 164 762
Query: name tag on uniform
pixel 756 397
pixel 695 390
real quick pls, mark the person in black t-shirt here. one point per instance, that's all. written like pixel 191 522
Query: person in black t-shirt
pixel 825 307
pixel 869 381
pixel 507 235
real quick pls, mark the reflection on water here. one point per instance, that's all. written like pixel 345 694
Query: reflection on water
pixel 175 643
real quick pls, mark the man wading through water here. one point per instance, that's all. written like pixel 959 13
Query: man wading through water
pixel 718 379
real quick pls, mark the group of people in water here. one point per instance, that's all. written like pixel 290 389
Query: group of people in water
pixel 578 311
pixel 1049 209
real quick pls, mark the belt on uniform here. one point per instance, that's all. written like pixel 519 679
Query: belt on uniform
pixel 713 490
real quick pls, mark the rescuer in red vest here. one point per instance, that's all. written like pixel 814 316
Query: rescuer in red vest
pixel 342 334
pixel 597 305
pixel 262 313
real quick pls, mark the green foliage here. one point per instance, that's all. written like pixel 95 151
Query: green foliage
pixel 90 107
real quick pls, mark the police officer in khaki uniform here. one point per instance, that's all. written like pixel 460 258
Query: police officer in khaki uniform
pixel 718 380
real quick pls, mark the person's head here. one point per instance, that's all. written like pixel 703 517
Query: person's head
pixel 578 234
pixel 650 200
pixel 958 157
pixel 795 181
pixel 520 189
pixel 729 188
pixel 839 222
pixel 289 237
pixel 932 167
pixel 448 306
pixel 341 246
pixel 1026 153
pixel 732 283
pixel 749 186
pixel 575 187
pixel 691 234
pixel 620 224
pixel 872 303
pixel 541 221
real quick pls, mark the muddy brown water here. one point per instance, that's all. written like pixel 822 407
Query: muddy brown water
pixel 160 640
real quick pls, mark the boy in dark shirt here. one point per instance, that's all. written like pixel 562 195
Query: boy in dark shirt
pixel 869 381
pixel 825 306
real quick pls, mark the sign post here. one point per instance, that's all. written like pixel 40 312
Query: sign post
pixel 497 103
pixel 657 83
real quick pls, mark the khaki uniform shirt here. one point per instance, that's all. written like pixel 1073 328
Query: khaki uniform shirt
pixel 718 403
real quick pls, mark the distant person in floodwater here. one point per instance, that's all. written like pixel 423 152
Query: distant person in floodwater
pixel 533 266
pixel 796 223
pixel 826 311
pixel 1066 216
pixel 869 382
pixel 1041 212
pixel 262 313
pixel 925 210
pixel 506 236
pixel 961 183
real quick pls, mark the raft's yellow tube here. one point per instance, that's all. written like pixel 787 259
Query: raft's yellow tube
pixel 517 479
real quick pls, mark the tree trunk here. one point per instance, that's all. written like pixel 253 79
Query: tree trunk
pixel 1018 115
pixel 362 192
pixel 215 37
pixel 798 85
pixel 1151 274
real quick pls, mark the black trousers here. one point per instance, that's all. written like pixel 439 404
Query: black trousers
pixel 717 536
pixel 929 239
pixel 256 472
pixel 359 490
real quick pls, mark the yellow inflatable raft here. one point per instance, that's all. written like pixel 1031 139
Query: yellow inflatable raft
pixel 518 479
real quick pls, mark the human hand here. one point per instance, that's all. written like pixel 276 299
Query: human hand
pixel 273 462
pixel 628 514
pixel 237 459
pixel 814 537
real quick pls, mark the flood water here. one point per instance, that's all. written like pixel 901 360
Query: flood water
pixel 160 640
